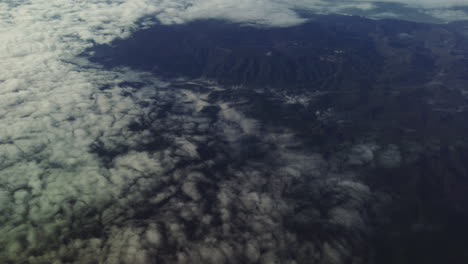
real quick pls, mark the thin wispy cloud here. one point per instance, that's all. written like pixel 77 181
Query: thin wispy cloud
pixel 283 13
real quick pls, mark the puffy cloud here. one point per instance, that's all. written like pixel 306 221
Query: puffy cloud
pixel 362 154
pixel 266 12
pixel 108 165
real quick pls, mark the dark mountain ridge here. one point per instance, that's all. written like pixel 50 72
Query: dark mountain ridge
pixel 314 54
pixel 390 82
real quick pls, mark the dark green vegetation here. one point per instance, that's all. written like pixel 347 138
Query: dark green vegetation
pixel 353 80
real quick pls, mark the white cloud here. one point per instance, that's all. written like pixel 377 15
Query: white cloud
pixel 426 3
pixel 448 14
pixel 51 113
pixel 59 199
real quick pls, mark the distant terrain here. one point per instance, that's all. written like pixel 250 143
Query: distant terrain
pixel 394 93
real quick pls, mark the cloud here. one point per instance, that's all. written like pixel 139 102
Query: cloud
pixel 284 13
pixel 106 165
pixel 448 14
pixel 427 3
pixel 245 11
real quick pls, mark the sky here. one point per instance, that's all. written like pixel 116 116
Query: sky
pixel 57 110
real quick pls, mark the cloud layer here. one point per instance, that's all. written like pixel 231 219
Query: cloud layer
pixel 116 166
pixel 283 13
pixel 427 3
